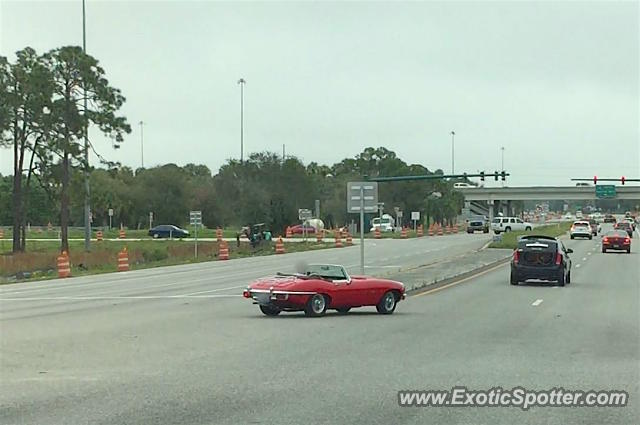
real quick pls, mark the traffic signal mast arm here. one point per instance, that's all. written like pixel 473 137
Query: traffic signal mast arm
pixel 482 175
pixel 597 179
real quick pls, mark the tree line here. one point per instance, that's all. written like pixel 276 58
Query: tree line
pixel 47 102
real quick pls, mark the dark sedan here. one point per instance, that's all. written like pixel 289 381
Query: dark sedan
pixel 168 231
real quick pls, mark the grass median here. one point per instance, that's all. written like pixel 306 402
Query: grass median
pixel 39 262
pixel 510 239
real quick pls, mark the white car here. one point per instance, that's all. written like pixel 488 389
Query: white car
pixel 568 216
pixel 581 229
pixel 462 185
pixel 508 224
pixel 385 224
pixel 579 215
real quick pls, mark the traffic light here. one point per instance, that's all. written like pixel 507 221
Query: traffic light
pixel 495 176
pixel 623 179
pixel 595 179
pixel 504 176
pixel 481 175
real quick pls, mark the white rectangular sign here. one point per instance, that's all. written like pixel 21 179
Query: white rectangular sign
pixel 415 215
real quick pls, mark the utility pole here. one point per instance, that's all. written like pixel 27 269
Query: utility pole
pixel 242 82
pixel 87 189
pixel 453 135
pixel 283 153
pixel 142 143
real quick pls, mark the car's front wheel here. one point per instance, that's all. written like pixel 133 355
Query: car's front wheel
pixel 604 251
pixel 528 228
pixel 316 306
pixel 507 229
pixel 156 236
pixel 269 310
pixel 387 304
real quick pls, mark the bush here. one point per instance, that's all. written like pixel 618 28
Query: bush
pixel 156 254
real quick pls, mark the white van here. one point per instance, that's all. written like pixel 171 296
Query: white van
pixel 507 224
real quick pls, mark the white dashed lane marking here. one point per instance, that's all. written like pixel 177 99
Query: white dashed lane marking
pixel 536 302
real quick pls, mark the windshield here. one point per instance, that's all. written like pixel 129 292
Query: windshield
pixel 326 271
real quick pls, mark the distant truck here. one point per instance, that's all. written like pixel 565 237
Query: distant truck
pixel 384 223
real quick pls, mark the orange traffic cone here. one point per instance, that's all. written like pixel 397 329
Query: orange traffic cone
pixel 1 233
pixel 377 234
pixel 122 234
pixel 349 239
pixel 223 251
pixel 319 235
pixel 49 227
pixel 403 234
pixel 431 230
pixel 420 231
pixel 440 232
pixel 123 260
pixel 288 233
pixel 219 234
pixel 64 265
pixel 99 235
pixel 338 236
pixel 279 246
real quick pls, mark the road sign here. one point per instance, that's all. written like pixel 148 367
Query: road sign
pixel 362 197
pixel 605 191
pixel 110 212
pixel 399 214
pixel 304 214
pixel 415 215
pixel 370 198
pixel 195 218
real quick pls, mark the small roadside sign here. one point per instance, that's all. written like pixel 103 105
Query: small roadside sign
pixel 415 215
pixel 195 218
pixel 304 214
pixel 110 212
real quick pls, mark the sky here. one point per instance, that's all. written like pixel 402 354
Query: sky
pixel 554 83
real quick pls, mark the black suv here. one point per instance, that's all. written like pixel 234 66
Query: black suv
pixel 541 257
pixel 478 223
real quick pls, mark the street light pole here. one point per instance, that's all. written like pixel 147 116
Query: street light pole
pixel 242 82
pixel 453 135
pixel 87 189
pixel 141 143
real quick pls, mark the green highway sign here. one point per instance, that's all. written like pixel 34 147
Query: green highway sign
pixel 605 191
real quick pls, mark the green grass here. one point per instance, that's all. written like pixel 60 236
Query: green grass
pixel 39 262
pixel 510 239
pixel 38 232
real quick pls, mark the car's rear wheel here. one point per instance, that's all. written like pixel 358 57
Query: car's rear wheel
pixel 561 278
pixel 572 237
pixel 569 277
pixel 513 279
pixel 507 229
pixel 343 310
pixel 156 236
pixel 628 251
pixel 604 250
pixel 316 306
pixel 387 303
pixel 270 310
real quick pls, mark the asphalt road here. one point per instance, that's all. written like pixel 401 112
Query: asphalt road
pixel 179 346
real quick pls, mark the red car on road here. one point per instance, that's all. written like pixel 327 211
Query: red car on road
pixel 321 287
pixel 617 240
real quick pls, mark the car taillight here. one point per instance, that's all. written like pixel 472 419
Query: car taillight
pixel 246 294
pixel 516 256
pixel 605 239
pixel 558 259
pixel 627 241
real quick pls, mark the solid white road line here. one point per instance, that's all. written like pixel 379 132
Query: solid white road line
pixel 133 297
pixel 536 302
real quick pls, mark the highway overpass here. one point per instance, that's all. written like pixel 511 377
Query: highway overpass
pixel 543 193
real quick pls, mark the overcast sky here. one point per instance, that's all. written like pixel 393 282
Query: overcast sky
pixel 556 84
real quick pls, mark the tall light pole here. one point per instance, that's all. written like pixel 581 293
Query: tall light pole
pixel 453 135
pixel 87 189
pixel 141 143
pixel 502 161
pixel 242 82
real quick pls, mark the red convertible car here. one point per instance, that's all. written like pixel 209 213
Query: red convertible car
pixel 321 287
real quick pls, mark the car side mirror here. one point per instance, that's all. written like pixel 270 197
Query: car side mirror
pixel 569 250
